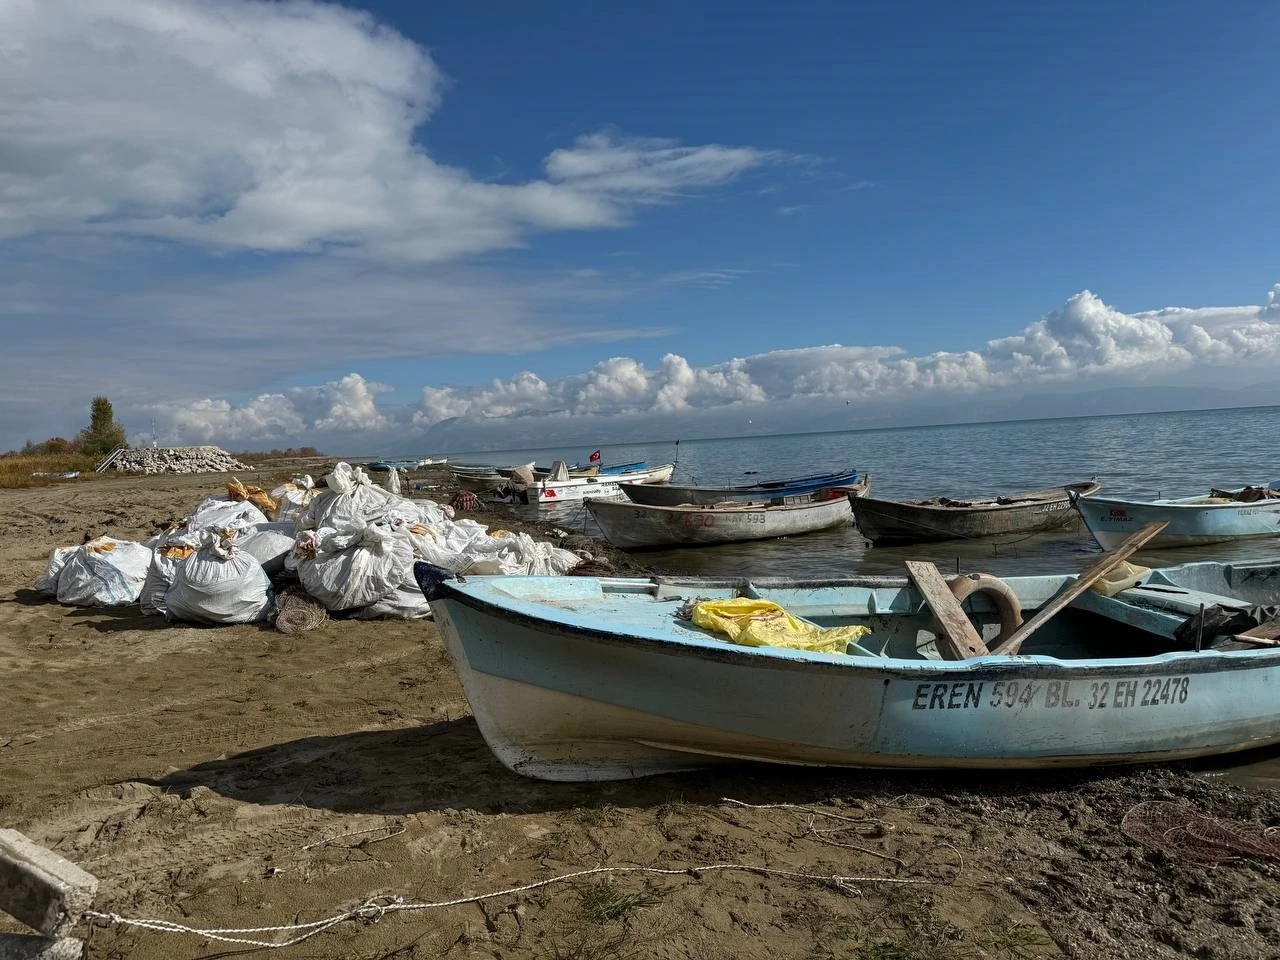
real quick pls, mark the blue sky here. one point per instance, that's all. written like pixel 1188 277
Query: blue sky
pixel 262 224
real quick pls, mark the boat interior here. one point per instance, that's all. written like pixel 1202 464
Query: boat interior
pixel 1143 620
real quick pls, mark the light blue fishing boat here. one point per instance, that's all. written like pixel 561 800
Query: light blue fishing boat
pixel 1224 515
pixel 580 678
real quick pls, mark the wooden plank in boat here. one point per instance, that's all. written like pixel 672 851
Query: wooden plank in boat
pixel 1125 549
pixel 957 640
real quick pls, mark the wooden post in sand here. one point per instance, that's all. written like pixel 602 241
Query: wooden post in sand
pixel 45 892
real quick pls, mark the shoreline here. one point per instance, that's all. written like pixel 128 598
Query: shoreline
pixel 222 776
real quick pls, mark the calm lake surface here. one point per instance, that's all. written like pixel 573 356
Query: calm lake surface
pixel 1141 456
pixel 1147 455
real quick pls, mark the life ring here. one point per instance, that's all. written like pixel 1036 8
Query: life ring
pixel 1002 596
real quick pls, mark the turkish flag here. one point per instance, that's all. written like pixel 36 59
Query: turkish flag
pixel 594 457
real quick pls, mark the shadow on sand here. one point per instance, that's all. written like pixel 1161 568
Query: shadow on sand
pixel 446 765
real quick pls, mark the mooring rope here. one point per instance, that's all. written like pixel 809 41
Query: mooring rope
pixel 375 908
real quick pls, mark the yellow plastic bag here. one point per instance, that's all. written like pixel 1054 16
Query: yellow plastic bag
pixel 762 623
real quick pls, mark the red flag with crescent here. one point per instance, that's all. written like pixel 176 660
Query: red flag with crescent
pixel 594 457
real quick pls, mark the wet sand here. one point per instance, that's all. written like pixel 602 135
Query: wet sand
pixel 241 777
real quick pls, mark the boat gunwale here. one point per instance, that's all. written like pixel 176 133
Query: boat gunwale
pixel 724 506
pixel 764 486
pixel 991 667
pixel 1182 503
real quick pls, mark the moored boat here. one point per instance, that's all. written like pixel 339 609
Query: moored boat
pixel 559 486
pixel 634 526
pixel 670 495
pixel 944 518
pixel 581 678
pixel 1224 515
pixel 483 477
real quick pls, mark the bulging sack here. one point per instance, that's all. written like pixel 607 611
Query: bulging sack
pixel 219 584
pixel 172 550
pixel 345 571
pixel 103 573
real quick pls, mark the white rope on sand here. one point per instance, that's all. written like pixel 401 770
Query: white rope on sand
pixel 374 909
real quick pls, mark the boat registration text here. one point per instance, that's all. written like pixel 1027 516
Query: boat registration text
pixel 708 519
pixel 1065 694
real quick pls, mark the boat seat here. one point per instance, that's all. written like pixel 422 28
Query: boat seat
pixel 1179 599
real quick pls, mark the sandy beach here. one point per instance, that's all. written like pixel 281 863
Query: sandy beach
pixel 241 777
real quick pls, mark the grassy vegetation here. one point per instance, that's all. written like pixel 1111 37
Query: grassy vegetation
pixel 605 902
pixel 905 926
pixel 16 469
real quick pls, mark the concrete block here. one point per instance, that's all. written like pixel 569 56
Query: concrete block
pixel 40 888
pixel 22 946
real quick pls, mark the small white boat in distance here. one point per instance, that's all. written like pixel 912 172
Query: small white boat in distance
pixel 1224 515
pixel 559 486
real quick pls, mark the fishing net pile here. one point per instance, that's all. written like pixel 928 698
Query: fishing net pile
pixel 341 546
pixel 296 612
pixel 1183 832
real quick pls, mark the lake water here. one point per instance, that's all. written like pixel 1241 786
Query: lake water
pixel 1147 455
pixel 1142 456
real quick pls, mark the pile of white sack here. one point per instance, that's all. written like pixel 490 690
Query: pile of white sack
pixel 349 543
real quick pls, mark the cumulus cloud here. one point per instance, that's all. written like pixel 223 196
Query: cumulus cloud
pixel 1087 341
pixel 344 406
pixel 287 127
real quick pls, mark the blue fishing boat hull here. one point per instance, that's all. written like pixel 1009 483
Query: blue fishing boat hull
pixel 578 678
pixel 1192 521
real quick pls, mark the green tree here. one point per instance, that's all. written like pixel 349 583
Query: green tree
pixel 103 433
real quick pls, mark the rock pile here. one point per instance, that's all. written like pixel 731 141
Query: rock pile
pixel 177 460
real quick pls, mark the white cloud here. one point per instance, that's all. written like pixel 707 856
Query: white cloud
pixel 246 124
pixel 707 279
pixel 1086 341
pixel 343 406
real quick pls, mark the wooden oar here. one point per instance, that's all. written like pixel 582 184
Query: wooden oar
pixel 957 640
pixel 1126 548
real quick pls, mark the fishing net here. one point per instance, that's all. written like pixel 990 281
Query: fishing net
pixel 595 567
pixel 1182 832
pixel 298 612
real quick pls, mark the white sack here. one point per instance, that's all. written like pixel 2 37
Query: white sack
pixel 268 543
pixel 223 513
pixel 48 584
pixel 519 554
pixel 293 497
pixel 405 602
pixel 103 573
pixel 351 570
pixel 219 584
pixel 350 501
pixel 174 548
